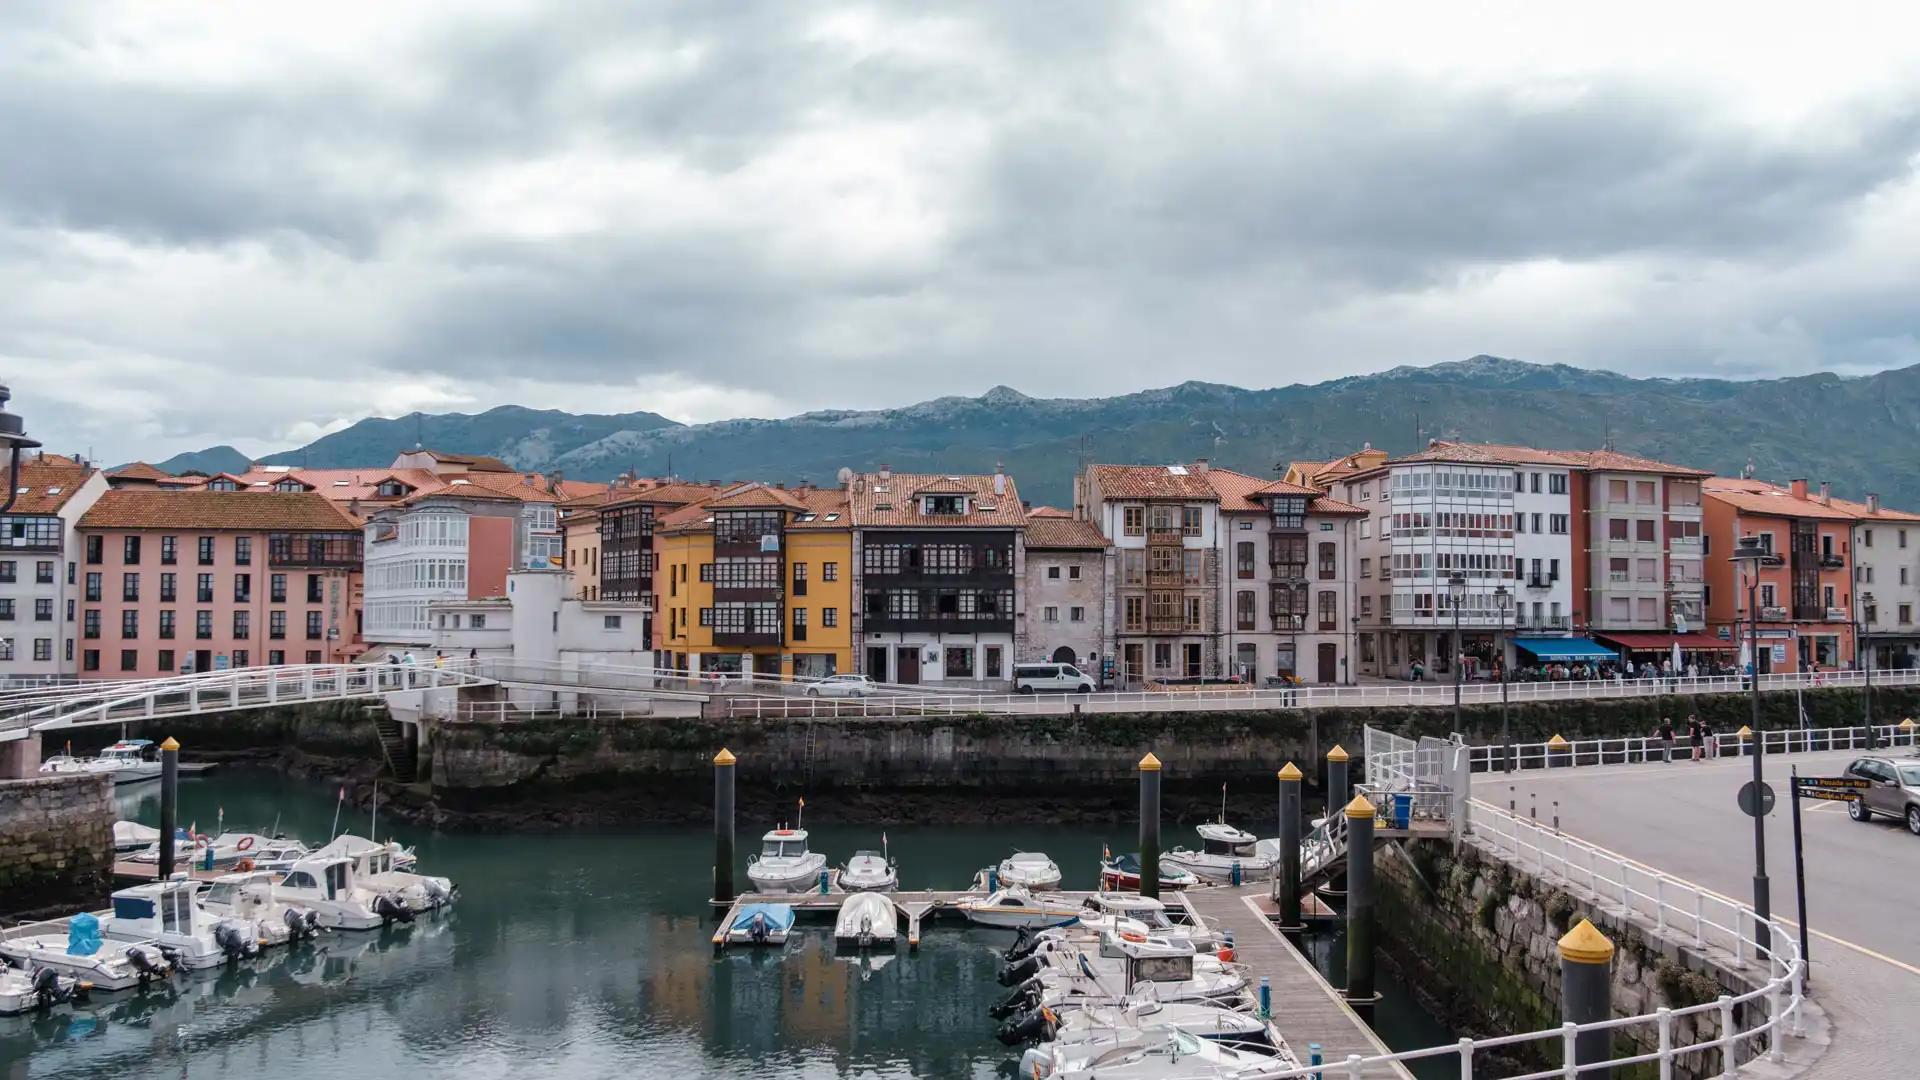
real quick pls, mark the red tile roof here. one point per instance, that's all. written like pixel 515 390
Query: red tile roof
pixel 1151 482
pixel 1238 493
pixel 1757 497
pixel 138 470
pixel 891 503
pixel 46 486
pixel 1594 460
pixel 820 503
pixel 755 497
pixel 1047 512
pixel 265 511
pixel 1063 534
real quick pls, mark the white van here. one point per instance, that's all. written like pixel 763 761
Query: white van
pixel 1028 678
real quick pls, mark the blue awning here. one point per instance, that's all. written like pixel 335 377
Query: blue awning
pixel 1565 648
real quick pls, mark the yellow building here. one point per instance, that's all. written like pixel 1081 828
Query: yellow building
pixel 759 579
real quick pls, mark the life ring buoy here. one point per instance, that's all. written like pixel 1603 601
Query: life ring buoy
pixel 245 843
pixel 243 865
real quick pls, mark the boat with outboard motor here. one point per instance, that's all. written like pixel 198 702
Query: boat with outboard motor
pixel 784 864
pixel 1062 974
pixel 168 914
pixel 376 867
pixel 1151 1053
pixel 1224 853
pixel 1015 907
pixel 329 886
pixel 79 951
pixel 1029 869
pixel 870 871
pixel 1103 911
pixel 250 895
pixel 126 761
pixel 1235 1026
pixel 761 924
pixel 131 837
pixel 24 991
pixel 1123 872
pixel 866 919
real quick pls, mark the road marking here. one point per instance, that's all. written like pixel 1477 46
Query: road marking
pixel 1861 949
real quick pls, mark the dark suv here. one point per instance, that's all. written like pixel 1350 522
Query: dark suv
pixel 1895 791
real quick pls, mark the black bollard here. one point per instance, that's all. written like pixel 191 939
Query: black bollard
pixel 1337 790
pixel 1150 826
pixel 723 826
pixel 1359 900
pixel 1290 847
pixel 1586 996
pixel 169 802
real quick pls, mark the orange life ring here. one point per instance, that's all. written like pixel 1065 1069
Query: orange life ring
pixel 245 843
pixel 243 865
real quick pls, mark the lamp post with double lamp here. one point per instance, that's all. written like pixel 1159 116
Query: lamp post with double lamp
pixel 13 442
pixel 1749 556
pixel 1503 599
pixel 1456 595
pixel 1863 656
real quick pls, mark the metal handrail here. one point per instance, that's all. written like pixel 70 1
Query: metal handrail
pixel 1637 749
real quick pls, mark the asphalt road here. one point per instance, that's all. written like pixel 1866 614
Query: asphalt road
pixel 1863 880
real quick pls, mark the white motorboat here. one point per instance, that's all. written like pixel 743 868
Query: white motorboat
pixel 1029 869
pixel 375 867
pixel 1150 1053
pixel 128 761
pixel 1224 852
pixel 278 854
pixel 403 858
pixel 761 924
pixel 1064 974
pixel 327 885
pixel 1019 908
pixel 866 919
pixel 21 990
pixel 131 836
pixel 250 895
pixel 168 915
pixel 784 863
pixel 1237 1027
pixel 79 951
pixel 869 871
pixel 1117 910
pixel 1123 872
pixel 202 852
pixel 62 764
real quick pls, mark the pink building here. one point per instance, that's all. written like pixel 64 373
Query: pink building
pixel 176 581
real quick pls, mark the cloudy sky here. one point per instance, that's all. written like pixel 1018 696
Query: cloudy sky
pixel 236 222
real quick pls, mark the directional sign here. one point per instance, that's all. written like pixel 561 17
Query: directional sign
pixel 1853 783
pixel 1747 800
pixel 1828 794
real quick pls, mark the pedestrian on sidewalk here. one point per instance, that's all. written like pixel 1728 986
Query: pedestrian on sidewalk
pixel 1666 738
pixel 1696 735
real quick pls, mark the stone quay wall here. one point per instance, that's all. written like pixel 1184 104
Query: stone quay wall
pixel 56 843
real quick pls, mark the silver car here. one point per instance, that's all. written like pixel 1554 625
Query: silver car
pixel 847 685
pixel 1894 790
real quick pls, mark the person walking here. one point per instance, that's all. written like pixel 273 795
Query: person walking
pixel 1696 737
pixel 1666 737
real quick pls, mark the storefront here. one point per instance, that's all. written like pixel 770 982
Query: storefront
pixel 1539 652
pixel 1696 652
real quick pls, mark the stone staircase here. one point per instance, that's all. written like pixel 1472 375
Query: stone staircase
pixel 403 756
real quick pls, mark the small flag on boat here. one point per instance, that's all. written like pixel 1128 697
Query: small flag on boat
pixel 1106 852
pixel 343 793
pixel 803 802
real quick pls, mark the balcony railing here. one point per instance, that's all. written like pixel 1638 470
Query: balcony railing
pixel 1165 538
pixel 1832 562
pixel 1542 622
pixel 1166 624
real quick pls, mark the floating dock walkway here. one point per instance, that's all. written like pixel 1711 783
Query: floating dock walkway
pixel 916 906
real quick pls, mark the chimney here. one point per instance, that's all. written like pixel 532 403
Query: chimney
pixel 529 478
pixel 1826 494
pixel 553 482
pixel 1873 503
pixel 353 506
pixel 886 471
pixel 999 478
pixel 1200 466
pixel 1799 489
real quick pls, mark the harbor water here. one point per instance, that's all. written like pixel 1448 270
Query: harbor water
pixel 576 955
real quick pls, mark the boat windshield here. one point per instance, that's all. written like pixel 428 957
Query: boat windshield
pixel 789 849
pixel 220 894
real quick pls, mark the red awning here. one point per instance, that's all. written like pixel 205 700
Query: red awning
pixel 1666 642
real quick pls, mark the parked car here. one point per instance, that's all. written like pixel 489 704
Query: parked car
pixel 848 685
pixel 1895 792
pixel 1029 678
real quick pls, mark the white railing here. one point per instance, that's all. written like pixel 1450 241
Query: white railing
pixel 507 712
pixel 909 701
pixel 1635 749
pixel 1766 949
pixel 224 691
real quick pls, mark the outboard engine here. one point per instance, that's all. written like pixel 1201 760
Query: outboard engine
pixel 1019 998
pixel 1019 970
pixel 237 938
pixel 438 895
pixel 757 929
pixel 1022 945
pixel 301 923
pixel 149 962
pixel 1034 1025
pixel 49 989
pixel 391 908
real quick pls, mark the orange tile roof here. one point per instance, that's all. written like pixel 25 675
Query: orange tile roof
pixel 129 508
pixel 1614 461
pixel 820 502
pixel 1151 482
pixel 755 497
pixel 341 485
pixel 891 503
pixel 1237 491
pixel 1047 512
pixel 1884 513
pixel 1757 497
pixel 677 493
pixel 1499 454
pixel 1063 534
pixel 685 519
pixel 45 486
pixel 474 462
pixel 138 470
pixel 457 491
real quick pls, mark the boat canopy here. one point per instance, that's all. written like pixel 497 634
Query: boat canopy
pixel 779 916
pixel 83 935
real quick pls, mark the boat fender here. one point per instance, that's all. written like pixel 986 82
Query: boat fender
pixel 1018 971
pixel 243 865
pixel 1226 954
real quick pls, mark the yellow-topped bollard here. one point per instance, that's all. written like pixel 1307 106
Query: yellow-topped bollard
pixel 1149 763
pixel 1288 879
pixel 1586 993
pixel 723 857
pixel 724 757
pixel 1150 826
pixel 1360 900
pixel 1290 771
pixel 173 744
pixel 1559 751
pixel 169 802
pixel 1558 742
pixel 1360 808
pixel 1745 732
pixel 1339 753
pixel 1337 773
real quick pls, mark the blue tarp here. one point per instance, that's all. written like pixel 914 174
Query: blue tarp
pixel 779 916
pixel 1565 648
pixel 83 935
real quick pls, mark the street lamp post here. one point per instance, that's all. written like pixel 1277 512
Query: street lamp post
pixel 1863 655
pixel 1503 599
pixel 1748 555
pixel 1457 594
pixel 14 441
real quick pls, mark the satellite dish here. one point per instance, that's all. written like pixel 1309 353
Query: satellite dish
pixel 843 476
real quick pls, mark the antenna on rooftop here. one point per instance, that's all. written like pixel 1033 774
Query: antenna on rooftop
pixel 419 442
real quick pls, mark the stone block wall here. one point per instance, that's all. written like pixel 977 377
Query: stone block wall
pixel 1478 936
pixel 56 843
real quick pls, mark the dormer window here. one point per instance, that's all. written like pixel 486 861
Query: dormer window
pixel 390 489
pixel 289 484
pixel 222 484
pixel 948 505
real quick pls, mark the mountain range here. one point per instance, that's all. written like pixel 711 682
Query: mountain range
pixel 1859 433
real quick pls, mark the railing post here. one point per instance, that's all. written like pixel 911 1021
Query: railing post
pixel 1466 1058
pixel 1729 1050
pixel 1353 1067
pixel 1569 1049
pixel 1665 1015
pixel 1739 936
pixel 1660 902
pixel 1776 1035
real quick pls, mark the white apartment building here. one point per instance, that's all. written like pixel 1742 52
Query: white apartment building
pixel 39 553
pixel 1544 523
pixel 1886 553
pixel 538 623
